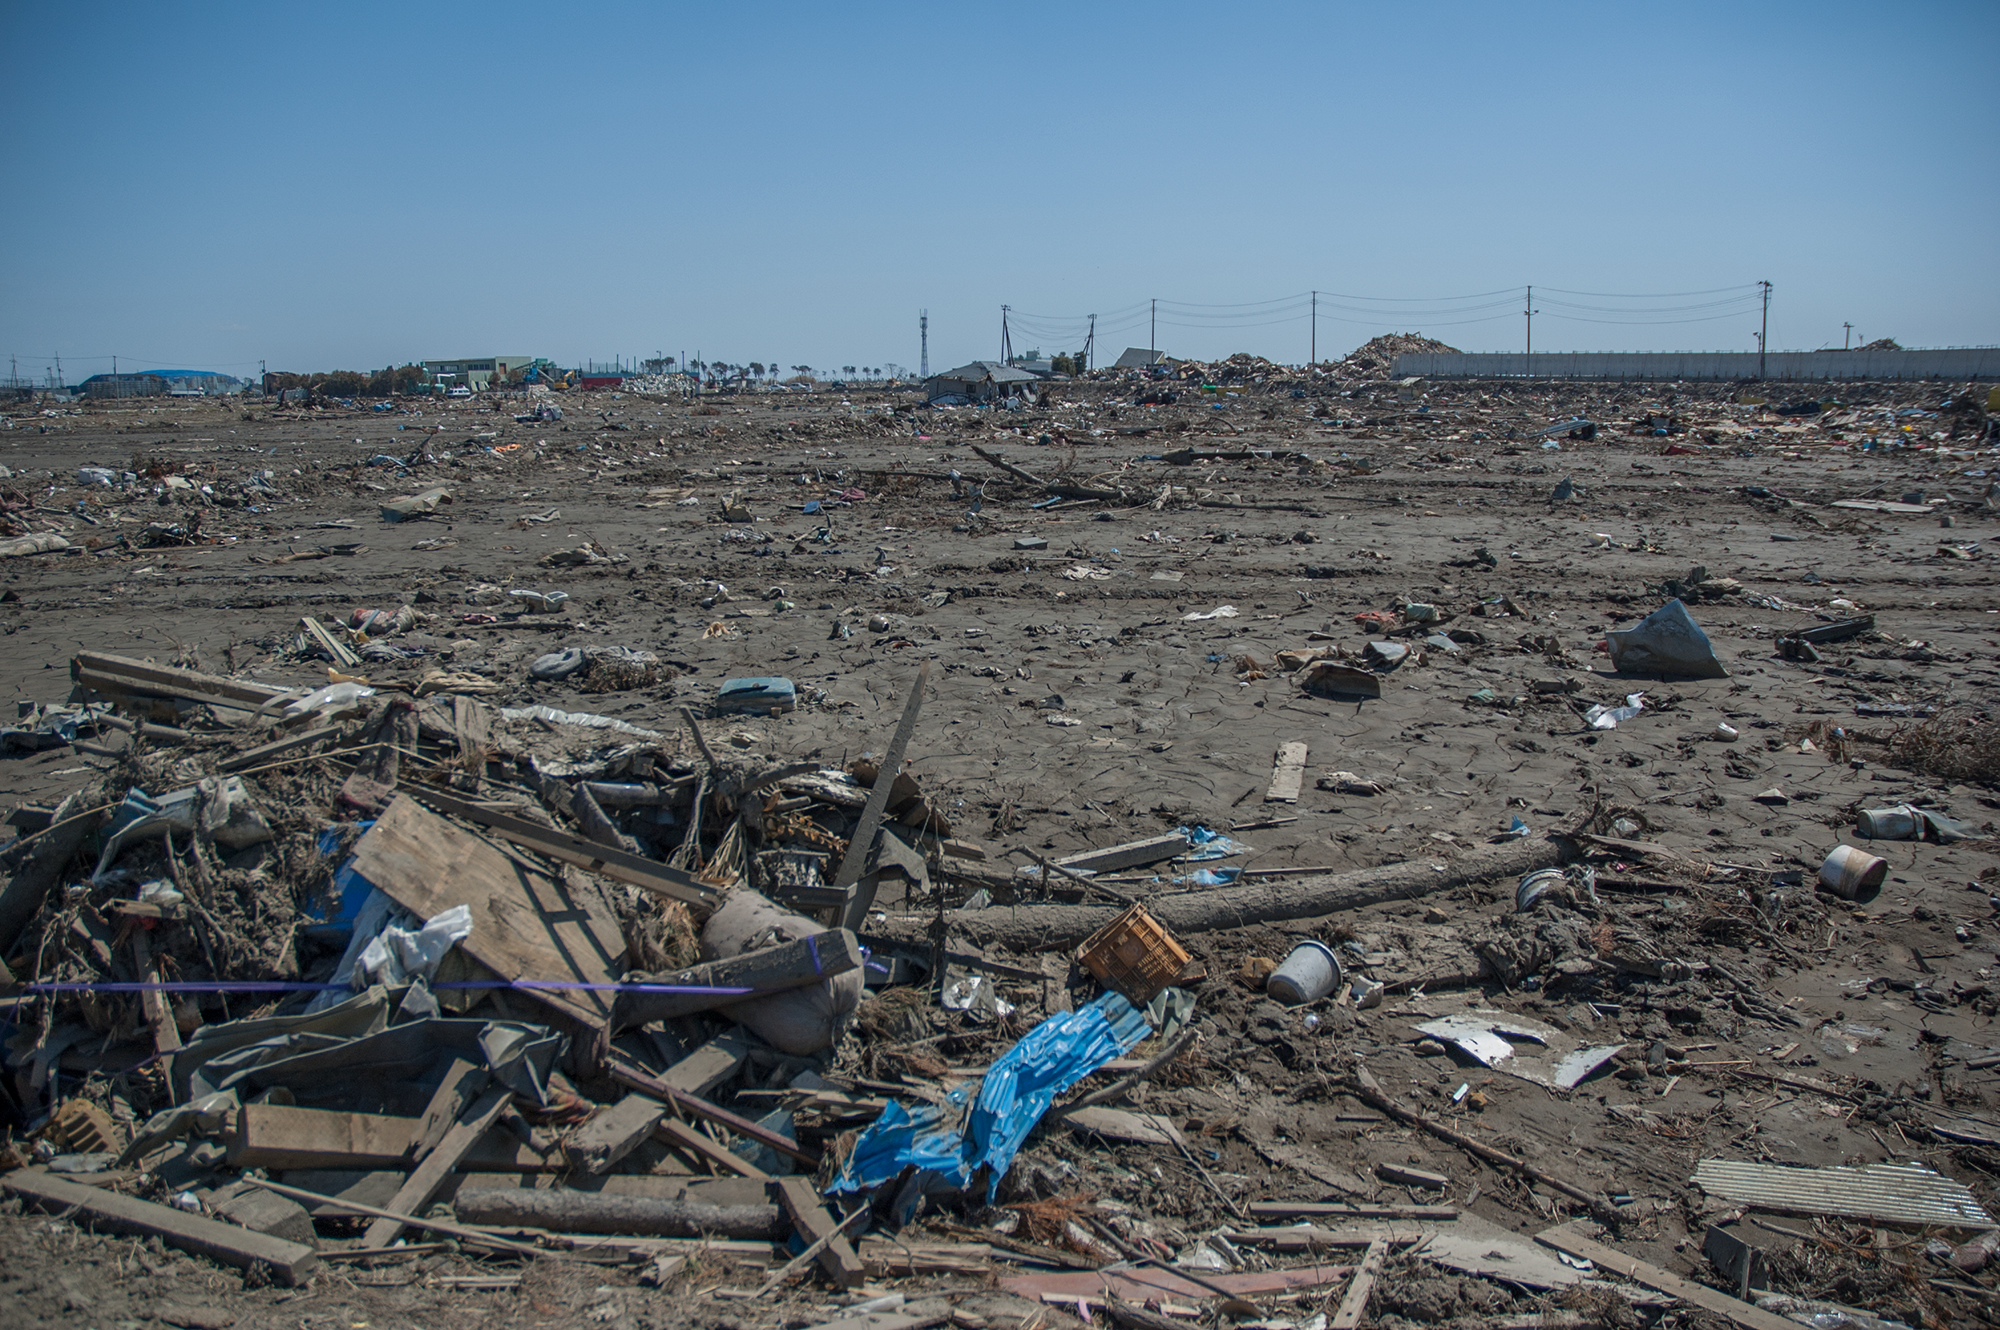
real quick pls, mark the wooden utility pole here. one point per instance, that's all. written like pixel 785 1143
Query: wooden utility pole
pixel 1764 336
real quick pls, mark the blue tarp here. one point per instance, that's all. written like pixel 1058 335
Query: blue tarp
pixel 983 1123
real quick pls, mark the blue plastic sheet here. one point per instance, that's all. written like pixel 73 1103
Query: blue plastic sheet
pixel 1205 844
pixel 982 1124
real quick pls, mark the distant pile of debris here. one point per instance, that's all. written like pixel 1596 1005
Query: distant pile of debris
pixel 1376 356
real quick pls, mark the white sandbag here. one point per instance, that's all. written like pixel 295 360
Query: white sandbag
pixel 45 542
pixel 799 1021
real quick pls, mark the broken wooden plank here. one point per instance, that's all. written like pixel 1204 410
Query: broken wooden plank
pixel 462 1083
pixel 1567 1239
pixel 1142 1283
pixel 619 1130
pixel 679 1134
pixel 1306 1238
pixel 859 844
pixel 290 1262
pixel 1421 1178
pixel 525 926
pixel 1343 1210
pixel 1288 773
pixel 472 727
pixel 422 1184
pixel 632 869
pixel 251 758
pixel 1355 1301
pixel 836 1257
pixel 888 1260
pixel 278 1136
pixel 695 1106
pixel 335 649
pixel 159 1013
pixel 1132 854
pixel 1119 1125
pixel 738 978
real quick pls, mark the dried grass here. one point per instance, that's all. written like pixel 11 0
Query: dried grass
pixel 1048 1222
pixel 1955 744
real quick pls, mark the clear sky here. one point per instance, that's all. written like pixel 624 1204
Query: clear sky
pixel 354 184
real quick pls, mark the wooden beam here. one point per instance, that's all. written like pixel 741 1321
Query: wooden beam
pixel 462 1083
pixel 277 748
pixel 1356 1300
pixel 636 870
pixel 678 1134
pixel 422 1184
pixel 768 970
pixel 141 676
pixel 836 1257
pixel 619 1130
pixel 153 1002
pixel 695 1106
pixel 279 1136
pixel 1132 854
pixel 291 1262
pixel 1342 1210
pixel 1566 1238
pixel 856 860
pixel 336 650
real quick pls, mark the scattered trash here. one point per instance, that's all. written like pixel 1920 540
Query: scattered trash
pixel 1607 718
pixel 1494 1039
pixel 1905 822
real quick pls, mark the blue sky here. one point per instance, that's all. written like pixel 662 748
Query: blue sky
pixel 357 184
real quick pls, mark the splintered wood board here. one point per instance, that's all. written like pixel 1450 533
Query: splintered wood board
pixel 524 925
pixel 1288 773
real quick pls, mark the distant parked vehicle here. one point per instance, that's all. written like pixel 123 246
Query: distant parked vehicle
pixel 459 391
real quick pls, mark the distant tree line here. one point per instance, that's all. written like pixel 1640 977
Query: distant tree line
pixel 352 383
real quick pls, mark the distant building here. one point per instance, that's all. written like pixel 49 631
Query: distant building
pixel 159 383
pixel 476 373
pixel 1138 357
pixel 980 381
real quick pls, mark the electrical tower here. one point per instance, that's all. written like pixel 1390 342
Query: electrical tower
pixel 1006 342
pixel 924 341
pixel 1090 346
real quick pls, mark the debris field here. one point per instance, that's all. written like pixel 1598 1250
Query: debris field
pixel 1229 845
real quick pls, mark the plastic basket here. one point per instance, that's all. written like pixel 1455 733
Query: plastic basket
pixel 1134 955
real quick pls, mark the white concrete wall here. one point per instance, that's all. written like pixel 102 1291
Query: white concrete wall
pixel 1979 362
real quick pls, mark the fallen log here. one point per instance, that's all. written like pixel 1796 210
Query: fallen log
pixel 1030 928
pixel 599 1212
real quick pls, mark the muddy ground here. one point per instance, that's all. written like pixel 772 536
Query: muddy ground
pixel 1076 702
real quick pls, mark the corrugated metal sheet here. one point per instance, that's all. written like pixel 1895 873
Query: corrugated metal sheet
pixel 1891 1193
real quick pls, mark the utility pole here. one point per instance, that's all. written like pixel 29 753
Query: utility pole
pixel 1153 329
pixel 1313 357
pixel 1529 310
pixel 1090 346
pixel 1847 335
pixel 1006 342
pixel 1764 335
pixel 924 341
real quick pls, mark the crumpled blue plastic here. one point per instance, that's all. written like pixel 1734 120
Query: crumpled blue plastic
pixel 982 1124
pixel 1206 844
